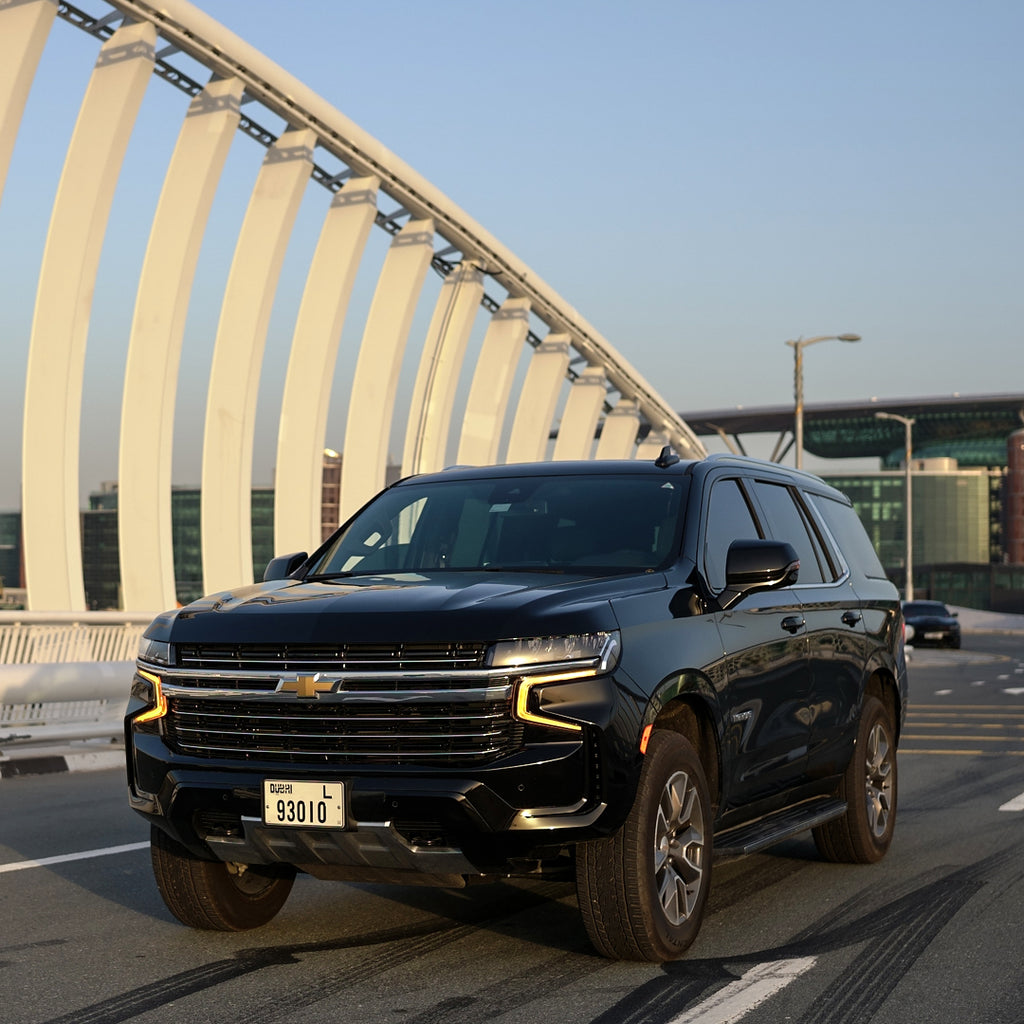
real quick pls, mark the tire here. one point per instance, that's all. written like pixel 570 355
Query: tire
pixel 869 787
pixel 206 894
pixel 642 891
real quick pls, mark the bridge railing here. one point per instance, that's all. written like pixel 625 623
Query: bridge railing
pixel 65 676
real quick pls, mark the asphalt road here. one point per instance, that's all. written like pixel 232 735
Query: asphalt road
pixel 934 933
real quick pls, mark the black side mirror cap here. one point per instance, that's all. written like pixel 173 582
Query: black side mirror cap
pixel 755 565
pixel 281 567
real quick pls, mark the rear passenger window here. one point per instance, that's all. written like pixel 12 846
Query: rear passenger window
pixel 787 522
pixel 729 519
pixel 850 535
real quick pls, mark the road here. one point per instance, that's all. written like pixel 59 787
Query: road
pixel 934 933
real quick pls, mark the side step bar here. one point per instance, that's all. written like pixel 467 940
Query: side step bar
pixel 773 828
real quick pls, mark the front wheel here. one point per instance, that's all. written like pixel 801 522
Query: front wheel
pixel 863 834
pixel 642 890
pixel 213 895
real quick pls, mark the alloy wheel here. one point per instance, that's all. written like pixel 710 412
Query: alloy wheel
pixel 679 848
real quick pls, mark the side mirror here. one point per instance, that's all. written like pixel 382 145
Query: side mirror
pixel 755 565
pixel 283 566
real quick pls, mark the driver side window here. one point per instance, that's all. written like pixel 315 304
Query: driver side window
pixel 729 519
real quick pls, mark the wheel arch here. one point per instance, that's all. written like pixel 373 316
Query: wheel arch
pixel 686 706
pixel 882 685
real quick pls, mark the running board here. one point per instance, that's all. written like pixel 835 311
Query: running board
pixel 773 828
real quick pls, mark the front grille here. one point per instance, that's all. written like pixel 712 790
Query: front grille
pixel 454 729
pixel 354 657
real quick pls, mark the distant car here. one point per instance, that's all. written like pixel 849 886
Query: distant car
pixel 933 623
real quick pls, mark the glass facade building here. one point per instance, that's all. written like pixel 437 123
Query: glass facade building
pixel 100 557
pixel 10 554
pixel 953 514
pixel 959 532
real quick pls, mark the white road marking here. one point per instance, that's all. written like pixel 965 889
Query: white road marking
pixel 1016 804
pixel 1014 691
pixel 737 999
pixel 943 693
pixel 84 855
pixel 978 682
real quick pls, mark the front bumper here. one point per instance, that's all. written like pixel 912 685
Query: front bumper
pixel 399 824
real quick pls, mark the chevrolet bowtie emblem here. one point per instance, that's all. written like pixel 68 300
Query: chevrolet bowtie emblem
pixel 306 685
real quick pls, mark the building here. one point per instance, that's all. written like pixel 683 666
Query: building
pixel 967 477
pixel 101 566
pixel 330 504
pixel 12 574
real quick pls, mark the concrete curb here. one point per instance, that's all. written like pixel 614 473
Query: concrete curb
pixel 39 762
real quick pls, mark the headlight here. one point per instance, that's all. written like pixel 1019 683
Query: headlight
pixel 600 648
pixel 547 662
pixel 156 652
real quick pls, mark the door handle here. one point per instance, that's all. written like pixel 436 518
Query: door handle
pixel 851 618
pixel 793 623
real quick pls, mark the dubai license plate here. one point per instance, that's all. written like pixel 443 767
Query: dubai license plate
pixel 304 804
pixel 933 636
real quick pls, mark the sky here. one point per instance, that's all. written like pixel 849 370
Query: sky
pixel 702 179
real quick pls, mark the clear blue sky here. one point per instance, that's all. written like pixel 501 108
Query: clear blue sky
pixel 702 180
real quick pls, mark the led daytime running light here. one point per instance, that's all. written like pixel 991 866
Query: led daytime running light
pixel 523 713
pixel 160 707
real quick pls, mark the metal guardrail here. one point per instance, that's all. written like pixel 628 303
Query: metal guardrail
pixel 65 676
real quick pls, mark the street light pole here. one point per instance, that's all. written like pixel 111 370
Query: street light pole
pixel 908 452
pixel 798 385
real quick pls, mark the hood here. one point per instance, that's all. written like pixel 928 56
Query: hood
pixel 410 608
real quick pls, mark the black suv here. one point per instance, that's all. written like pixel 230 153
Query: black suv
pixel 602 670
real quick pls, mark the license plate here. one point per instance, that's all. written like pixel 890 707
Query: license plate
pixel 933 636
pixel 304 804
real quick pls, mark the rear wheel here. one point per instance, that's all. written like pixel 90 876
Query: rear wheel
pixel 215 895
pixel 863 834
pixel 642 891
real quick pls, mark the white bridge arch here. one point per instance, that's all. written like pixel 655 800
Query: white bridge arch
pixel 575 382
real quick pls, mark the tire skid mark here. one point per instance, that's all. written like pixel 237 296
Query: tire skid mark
pixel 177 986
pixel 763 873
pixel 664 998
pixel 412 941
pixel 975 783
pixel 515 991
pixel 898 932
pixel 868 982
pixel 331 984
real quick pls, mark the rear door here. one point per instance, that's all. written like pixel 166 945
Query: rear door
pixel 834 627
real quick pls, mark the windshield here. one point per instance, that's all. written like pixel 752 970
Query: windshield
pixel 543 523
pixel 925 608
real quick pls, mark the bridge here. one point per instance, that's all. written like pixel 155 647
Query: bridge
pixel 503 362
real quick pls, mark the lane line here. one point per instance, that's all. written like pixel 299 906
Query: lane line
pixel 1016 804
pixel 739 997
pixel 963 753
pixel 971 738
pixel 21 865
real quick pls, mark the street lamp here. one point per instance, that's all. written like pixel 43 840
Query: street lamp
pixel 908 451
pixel 798 384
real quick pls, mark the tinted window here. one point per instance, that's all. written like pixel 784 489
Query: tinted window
pixel 729 519
pixel 925 608
pixel 554 523
pixel 849 533
pixel 786 522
